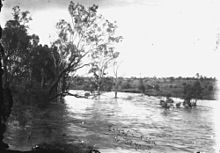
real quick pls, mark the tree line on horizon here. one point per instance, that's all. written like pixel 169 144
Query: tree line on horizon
pixel 152 86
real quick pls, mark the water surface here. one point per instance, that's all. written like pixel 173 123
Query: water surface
pixel 131 123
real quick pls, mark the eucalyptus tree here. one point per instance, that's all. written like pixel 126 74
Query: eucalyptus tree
pixel 18 45
pixel 88 40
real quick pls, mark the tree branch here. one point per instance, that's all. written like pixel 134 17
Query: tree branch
pixel 62 94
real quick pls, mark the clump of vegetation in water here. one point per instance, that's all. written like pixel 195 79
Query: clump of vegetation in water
pixel 191 92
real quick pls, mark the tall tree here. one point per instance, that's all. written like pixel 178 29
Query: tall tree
pixel 2 125
pixel 88 37
pixel 5 96
pixel 17 44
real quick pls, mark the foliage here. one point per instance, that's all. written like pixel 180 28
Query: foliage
pixel 141 86
pixel 107 84
pixel 164 85
pixel 88 36
pixel 42 65
pixel 25 61
pixel 18 45
pixel 193 91
pixel 210 88
pixel 157 87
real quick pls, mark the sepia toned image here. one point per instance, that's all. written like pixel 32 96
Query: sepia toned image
pixel 109 76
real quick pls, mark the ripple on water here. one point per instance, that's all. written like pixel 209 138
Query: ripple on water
pixel 90 120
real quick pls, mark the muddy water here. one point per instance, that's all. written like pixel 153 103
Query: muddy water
pixel 132 123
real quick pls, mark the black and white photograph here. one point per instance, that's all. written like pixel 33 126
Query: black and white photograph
pixel 109 76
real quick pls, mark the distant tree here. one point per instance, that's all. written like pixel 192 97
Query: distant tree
pixel 107 84
pixel 210 88
pixel 157 87
pixel 126 84
pixel 172 79
pixel 197 90
pixel 149 86
pixel 198 75
pixel 141 86
pixel 192 91
pixel 179 78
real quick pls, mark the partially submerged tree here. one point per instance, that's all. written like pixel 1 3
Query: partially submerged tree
pixel 99 67
pixel 192 92
pixel 83 42
pixel 89 37
pixel 115 72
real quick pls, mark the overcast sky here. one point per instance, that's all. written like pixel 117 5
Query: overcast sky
pixel 161 37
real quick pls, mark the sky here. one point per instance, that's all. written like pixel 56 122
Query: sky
pixel 162 38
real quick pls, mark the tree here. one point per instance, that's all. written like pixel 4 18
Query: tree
pixel 42 65
pixel 115 73
pixel 88 36
pixel 141 86
pixel 25 61
pixel 192 92
pixel 108 84
pixel 157 87
pixel 210 88
pixel 99 65
pixel 198 75
pixel 17 44
pixel 6 100
pixel 197 90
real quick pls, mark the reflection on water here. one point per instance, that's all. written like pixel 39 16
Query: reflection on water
pixel 127 124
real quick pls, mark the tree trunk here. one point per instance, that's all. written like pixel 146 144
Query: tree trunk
pixel 116 87
pixel 64 84
pixel 2 118
pixel 30 74
pixel 116 93
pixel 2 124
pixel 42 78
pixel 98 90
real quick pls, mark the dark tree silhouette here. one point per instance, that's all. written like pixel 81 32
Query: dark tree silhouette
pixel 141 86
pixel 5 96
pixel 192 92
